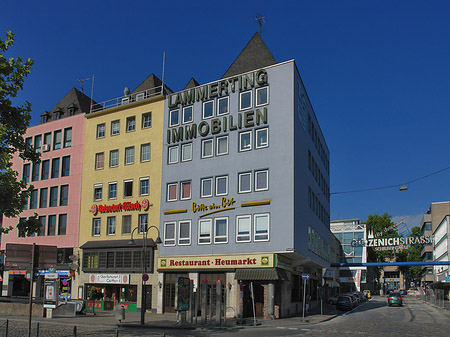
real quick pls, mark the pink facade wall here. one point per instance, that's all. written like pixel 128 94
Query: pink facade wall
pixel 75 151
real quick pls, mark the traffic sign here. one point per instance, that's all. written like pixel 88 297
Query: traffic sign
pixel 145 277
pixel 305 276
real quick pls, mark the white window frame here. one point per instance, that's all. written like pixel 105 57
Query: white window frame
pixel 146 117
pixel 228 105
pixel 176 192
pixel 257 145
pixel 98 130
pixel 110 158
pixel 257 189
pixel 127 149
pixel 170 241
pixel 204 141
pixel 96 225
pixel 108 225
pixel 203 110
pixel 206 240
pixel 146 145
pixel 219 239
pixel 109 190
pixel 201 186
pixel 98 186
pixel 187 240
pixel 192 114
pixel 255 216
pixel 169 151
pixel 130 121
pixel 182 184
pixel 142 226
pixel 256 99
pixel 184 148
pixel 97 161
pixel 148 185
pixel 217 183
pixel 240 100
pixel 171 123
pixel 243 237
pixel 218 139
pixel 250 145
pixel 240 175
pixel 140 96
pixel 124 189
pixel 112 127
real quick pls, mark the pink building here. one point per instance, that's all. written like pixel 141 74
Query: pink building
pixel 56 195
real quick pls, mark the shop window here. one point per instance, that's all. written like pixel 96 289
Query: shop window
pixel 221 185
pixel 208 109
pixel 169 234
pixel 245 100
pixel 207 148
pixel 245 182
pixel 184 233
pixel 204 231
pixel 147 120
pixel 115 128
pixel 262 96
pixel 262 138
pixel 131 124
pixel 261 222
pixel 101 130
pixel 222 106
pixel 262 180
pixel 173 154
pixel 112 190
pixel 174 118
pixel 222 145
pixel 172 192
pixel 245 141
pixel 206 187
pixel 114 158
pixel 188 114
pixel 243 228
pixel 221 230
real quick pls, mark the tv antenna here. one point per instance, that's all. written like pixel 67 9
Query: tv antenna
pixel 81 80
pixel 261 20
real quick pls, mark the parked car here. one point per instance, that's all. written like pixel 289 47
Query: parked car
pixel 367 293
pixel 395 298
pixel 333 299
pixel 345 303
pixel 356 299
pixel 361 296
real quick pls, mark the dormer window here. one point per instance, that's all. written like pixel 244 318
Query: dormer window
pixel 71 109
pixel 44 117
pixel 58 113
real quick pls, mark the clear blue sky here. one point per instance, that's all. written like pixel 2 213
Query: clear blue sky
pixel 377 73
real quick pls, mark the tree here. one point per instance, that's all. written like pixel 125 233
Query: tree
pixel 414 254
pixel 14 121
pixel 382 227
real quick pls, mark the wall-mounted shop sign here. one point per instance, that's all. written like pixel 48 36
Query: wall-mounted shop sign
pixel 219 88
pixel 392 242
pixel 124 206
pixel 110 278
pixel 219 261
pixel 226 204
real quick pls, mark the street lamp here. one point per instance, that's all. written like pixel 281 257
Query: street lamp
pixel 144 265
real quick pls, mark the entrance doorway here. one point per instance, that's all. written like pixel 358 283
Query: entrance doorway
pixel 258 293
pixel 148 298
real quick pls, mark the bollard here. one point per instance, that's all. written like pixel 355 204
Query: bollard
pixel 37 329
pixel 204 300
pixel 6 330
pixel 117 332
pixel 74 331
pixel 218 302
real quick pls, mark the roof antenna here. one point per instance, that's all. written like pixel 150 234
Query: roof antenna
pixel 81 80
pixel 261 20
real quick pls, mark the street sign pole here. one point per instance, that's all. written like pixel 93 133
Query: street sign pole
pixel 31 289
pixel 304 297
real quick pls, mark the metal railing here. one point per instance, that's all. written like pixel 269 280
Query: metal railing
pixel 127 99
pixel 433 296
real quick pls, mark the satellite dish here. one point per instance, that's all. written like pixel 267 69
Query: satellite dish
pixel 126 91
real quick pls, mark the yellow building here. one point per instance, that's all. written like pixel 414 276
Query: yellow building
pixel 121 198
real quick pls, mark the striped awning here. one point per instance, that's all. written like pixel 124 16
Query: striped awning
pixel 261 274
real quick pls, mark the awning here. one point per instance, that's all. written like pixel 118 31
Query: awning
pixel 117 244
pixel 262 274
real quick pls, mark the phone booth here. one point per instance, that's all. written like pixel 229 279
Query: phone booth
pixel 51 293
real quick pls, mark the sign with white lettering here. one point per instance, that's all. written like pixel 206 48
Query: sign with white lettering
pixel 110 278
pixel 218 261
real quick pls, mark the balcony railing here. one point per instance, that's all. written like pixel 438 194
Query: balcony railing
pixel 135 97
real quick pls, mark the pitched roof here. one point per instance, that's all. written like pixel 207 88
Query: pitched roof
pixel 151 82
pixel 191 84
pixel 255 55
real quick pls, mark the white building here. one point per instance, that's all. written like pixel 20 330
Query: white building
pixel 440 250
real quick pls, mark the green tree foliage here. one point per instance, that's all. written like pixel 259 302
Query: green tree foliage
pixel 414 254
pixel 14 121
pixel 382 227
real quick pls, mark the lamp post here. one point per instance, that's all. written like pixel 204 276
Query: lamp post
pixel 144 266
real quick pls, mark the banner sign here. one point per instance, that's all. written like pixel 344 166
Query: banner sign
pixel 218 261
pixel 110 278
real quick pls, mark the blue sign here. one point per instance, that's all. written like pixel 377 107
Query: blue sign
pixel 51 270
pixel 305 276
pixel 145 277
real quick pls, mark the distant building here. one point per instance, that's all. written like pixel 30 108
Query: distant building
pixel 441 244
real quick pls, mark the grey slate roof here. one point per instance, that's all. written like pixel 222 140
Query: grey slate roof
pixel 151 82
pixel 191 84
pixel 254 56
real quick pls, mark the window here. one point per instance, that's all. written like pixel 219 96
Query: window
pixel 26 173
pixel 144 186
pixel 64 195
pixel 128 188
pixel 173 154
pixel 53 196
pixel 186 152
pixel 45 169
pixel 113 158
pixel 98 188
pixel 245 182
pixel 184 233
pixel 222 106
pixel 146 120
pixel 51 229
pixel 208 109
pixel 172 192
pixel 174 116
pixel 207 148
pixel 129 155
pixel 221 230
pixel 262 138
pixel 36 171
pixel 34 199
pixel 206 186
pixel 126 224
pixel 111 225
pixel 96 226
pixel 243 228
pixel 65 170
pixel 169 234
pixel 57 140
pixel 143 223
pixel 100 130
pixel 187 114
pixel 28 142
pixel 112 190
pixel 43 221
pixel 261 227
pixel 262 96
pixel 131 124
pixel 245 141
pixel 145 152
pixel 68 137
pixel 262 180
pixel 185 190
pixel 62 224
pixel 245 100
pixel 37 143
pixel 115 128
pixel 99 161
pixel 47 140
pixel 204 231
pixel 222 145
pixel 55 167
pixel 43 197
pixel 221 185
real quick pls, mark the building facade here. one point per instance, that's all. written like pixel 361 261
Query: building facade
pixel 244 193
pixel 441 243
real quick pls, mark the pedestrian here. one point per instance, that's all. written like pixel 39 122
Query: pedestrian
pixel 308 299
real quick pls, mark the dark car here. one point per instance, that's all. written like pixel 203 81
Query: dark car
pixel 395 298
pixel 345 303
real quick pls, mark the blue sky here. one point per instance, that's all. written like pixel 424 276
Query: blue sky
pixel 377 74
